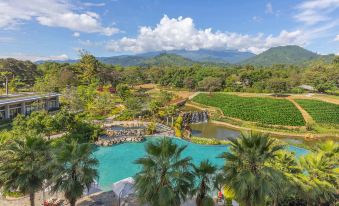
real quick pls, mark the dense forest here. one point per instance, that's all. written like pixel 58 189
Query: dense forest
pixel 55 77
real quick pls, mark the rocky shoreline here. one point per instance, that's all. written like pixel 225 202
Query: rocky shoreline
pixel 118 140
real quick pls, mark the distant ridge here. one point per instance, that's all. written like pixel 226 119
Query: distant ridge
pixel 291 54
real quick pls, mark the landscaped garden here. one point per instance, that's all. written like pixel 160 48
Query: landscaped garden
pixel 321 112
pixel 254 109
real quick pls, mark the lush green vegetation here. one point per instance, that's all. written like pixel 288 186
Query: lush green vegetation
pixel 262 110
pixel 257 171
pixel 165 178
pixel 285 55
pixel 321 112
pixel 30 161
pixel 169 71
pixel 93 90
pixel 207 141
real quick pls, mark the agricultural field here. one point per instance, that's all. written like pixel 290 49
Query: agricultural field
pixel 254 109
pixel 321 112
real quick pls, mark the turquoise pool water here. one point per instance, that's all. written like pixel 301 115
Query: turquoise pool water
pixel 116 162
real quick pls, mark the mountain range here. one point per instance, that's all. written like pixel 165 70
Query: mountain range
pixel 277 55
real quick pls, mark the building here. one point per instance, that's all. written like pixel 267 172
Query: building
pixel 307 87
pixel 25 104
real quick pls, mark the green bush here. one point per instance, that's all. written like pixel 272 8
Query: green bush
pixel 207 141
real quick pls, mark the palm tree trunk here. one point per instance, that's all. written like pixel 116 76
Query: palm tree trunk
pixel 72 202
pixel 31 198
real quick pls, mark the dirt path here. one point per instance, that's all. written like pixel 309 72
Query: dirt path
pixel 307 117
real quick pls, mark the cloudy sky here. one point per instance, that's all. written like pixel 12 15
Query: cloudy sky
pixel 57 29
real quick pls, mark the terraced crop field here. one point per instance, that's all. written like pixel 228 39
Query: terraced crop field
pixel 254 109
pixel 321 112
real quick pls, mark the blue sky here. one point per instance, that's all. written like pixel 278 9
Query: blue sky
pixel 57 29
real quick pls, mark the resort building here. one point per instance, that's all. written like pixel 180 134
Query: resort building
pixel 11 106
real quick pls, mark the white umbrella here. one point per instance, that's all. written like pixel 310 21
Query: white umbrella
pixel 123 187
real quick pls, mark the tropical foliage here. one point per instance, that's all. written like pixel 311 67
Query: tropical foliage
pixel 23 165
pixel 247 170
pixel 165 177
pixel 74 170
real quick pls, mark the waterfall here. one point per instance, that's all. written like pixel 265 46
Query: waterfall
pixel 195 117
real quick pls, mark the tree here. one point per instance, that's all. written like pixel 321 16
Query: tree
pixel 23 164
pixel 336 60
pixel 6 75
pixel 320 184
pixel 154 106
pixel 133 104
pixel 210 84
pixel 246 168
pixel 88 67
pixel 74 170
pixel 165 178
pixel 278 85
pixel 123 91
pixel 205 174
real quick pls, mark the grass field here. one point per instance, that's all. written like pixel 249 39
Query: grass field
pixel 254 109
pixel 321 112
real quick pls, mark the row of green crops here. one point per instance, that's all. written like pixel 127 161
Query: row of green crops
pixel 321 112
pixel 254 109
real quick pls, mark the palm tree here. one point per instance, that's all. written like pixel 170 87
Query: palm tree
pixel 320 184
pixel 246 169
pixel 287 189
pixel 22 165
pixel 75 170
pixel 205 174
pixel 165 178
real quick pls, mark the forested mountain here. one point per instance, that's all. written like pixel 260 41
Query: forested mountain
pixel 291 55
pixel 24 71
pixel 205 55
pixel 123 60
pixel 284 55
pixel 187 57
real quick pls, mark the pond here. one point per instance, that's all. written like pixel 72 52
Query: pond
pixel 116 162
pixel 211 130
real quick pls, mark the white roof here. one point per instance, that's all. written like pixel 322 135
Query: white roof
pixel 124 187
pixel 27 98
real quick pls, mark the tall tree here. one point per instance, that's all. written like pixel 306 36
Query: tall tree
pixel 165 177
pixel 22 165
pixel 74 170
pixel 246 169
pixel 205 174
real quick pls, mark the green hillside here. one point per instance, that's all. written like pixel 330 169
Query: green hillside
pixel 168 59
pixel 283 55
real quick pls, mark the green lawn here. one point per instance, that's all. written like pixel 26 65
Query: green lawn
pixel 254 109
pixel 321 112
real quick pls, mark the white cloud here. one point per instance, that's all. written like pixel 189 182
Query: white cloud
pixel 256 18
pixel 269 8
pixel 6 39
pixel 336 38
pixel 181 33
pixel 34 58
pixel 89 43
pixel 53 13
pixel 315 11
pixel 90 4
pixel 76 34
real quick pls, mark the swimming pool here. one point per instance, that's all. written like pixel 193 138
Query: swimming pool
pixel 116 162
